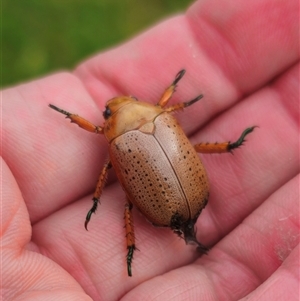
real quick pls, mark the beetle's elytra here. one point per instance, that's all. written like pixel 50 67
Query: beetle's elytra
pixel 158 168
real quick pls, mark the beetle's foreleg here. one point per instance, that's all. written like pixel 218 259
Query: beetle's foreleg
pixel 182 105
pixel 129 235
pixel 170 90
pixel 81 122
pixel 223 147
pixel 99 188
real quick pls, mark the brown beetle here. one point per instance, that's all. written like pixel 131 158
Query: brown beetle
pixel 158 168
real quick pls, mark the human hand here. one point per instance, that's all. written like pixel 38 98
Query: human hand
pixel 245 61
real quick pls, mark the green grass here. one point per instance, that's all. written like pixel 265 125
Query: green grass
pixel 39 37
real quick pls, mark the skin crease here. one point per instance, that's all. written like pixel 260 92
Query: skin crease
pixel 244 58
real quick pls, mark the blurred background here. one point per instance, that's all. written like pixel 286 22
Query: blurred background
pixel 40 37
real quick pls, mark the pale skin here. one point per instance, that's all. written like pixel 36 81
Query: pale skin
pixel 245 62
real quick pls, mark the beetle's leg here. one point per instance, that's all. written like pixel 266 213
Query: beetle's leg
pixel 182 105
pixel 170 90
pixel 81 122
pixel 186 229
pixel 129 235
pixel 223 147
pixel 99 188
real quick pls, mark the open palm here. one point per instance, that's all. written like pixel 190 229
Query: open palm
pixel 245 62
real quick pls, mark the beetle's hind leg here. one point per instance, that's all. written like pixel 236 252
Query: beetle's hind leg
pixel 130 239
pixel 99 188
pixel 189 233
pixel 81 122
pixel 186 230
pixel 223 147
pixel 170 90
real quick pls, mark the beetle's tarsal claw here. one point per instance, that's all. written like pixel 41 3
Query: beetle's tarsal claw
pixel 87 219
pixel 190 237
pixel 178 77
pixel 91 211
pixel 85 224
pixel 129 259
pixel 202 249
pixel 189 103
pixel 186 230
pixel 59 110
pixel 241 140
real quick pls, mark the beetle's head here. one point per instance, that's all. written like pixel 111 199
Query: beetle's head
pixel 114 104
pixel 125 113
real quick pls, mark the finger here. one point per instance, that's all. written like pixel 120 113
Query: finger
pixel 25 273
pixel 16 216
